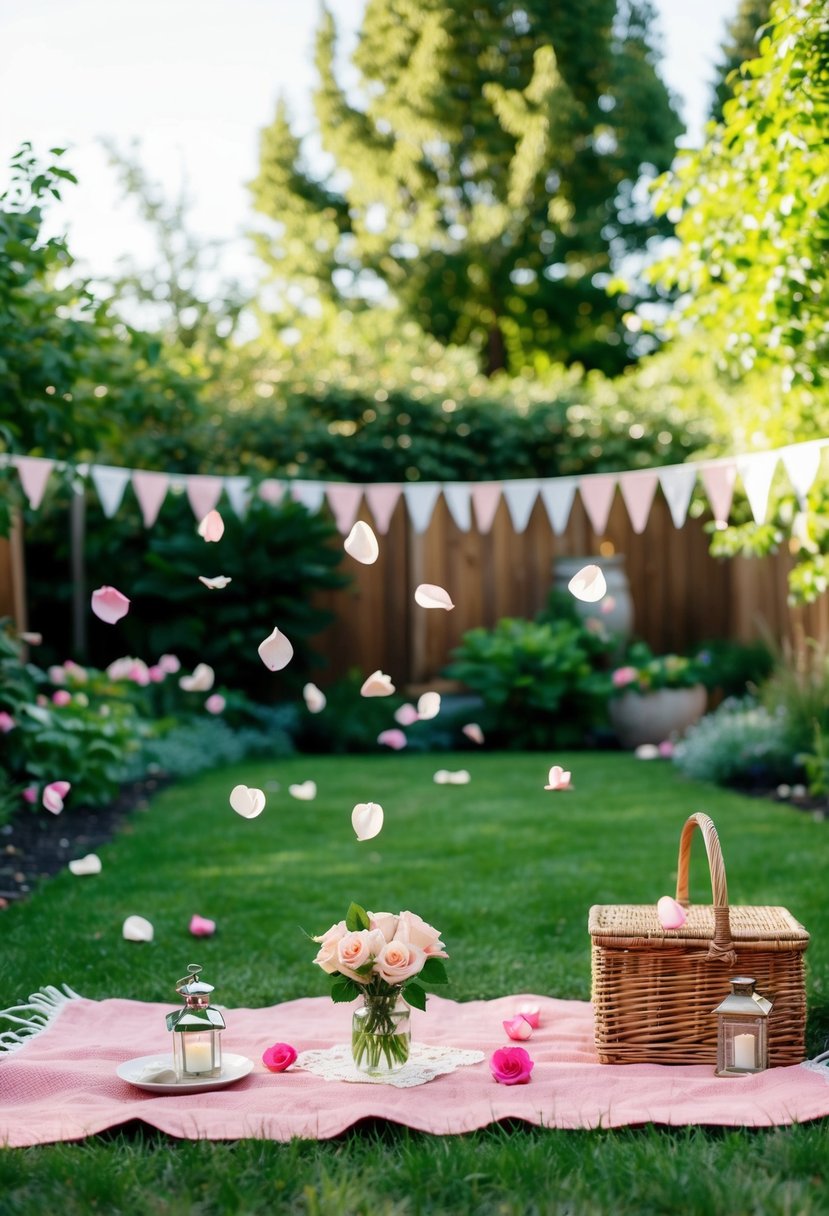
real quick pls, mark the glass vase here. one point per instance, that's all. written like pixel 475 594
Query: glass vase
pixel 381 1034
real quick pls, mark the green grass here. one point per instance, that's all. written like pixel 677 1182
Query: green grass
pixel 508 873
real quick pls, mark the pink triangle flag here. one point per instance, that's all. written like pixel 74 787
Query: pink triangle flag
pixel 677 482
pixel 801 462
pixel 382 499
pixel 344 501
pixel 486 497
pixel 557 494
pixel 718 480
pixel 34 472
pixel 421 497
pixel 597 490
pixel 150 489
pixel 203 493
pixel 272 491
pixel 638 490
pixel 757 473
pixel 456 495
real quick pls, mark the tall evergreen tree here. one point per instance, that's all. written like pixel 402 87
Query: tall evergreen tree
pixel 483 174
pixel 740 45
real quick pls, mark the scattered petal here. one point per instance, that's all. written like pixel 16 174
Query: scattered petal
pixel 473 731
pixel 247 802
pixel 406 715
pixel 395 739
pixel 558 779
pixel 429 595
pixel 588 585
pixel 276 651
pixel 671 914
pixel 30 794
pixel 647 751
pixel 7 722
pixel 109 605
pixel 169 664
pixel 459 777
pixel 200 926
pixel 279 1057
pixel 608 604
pixel 215 584
pixel 137 929
pixel 212 527
pixel 532 1013
pixel 367 820
pixel 666 749
pixel 54 794
pixel 306 791
pixel 783 791
pixel 518 1027
pixel 314 699
pixel 377 685
pixel 215 704
pixel 200 681
pixel 91 864
pixel 428 706
pixel 31 639
pixel 441 777
pixel 361 544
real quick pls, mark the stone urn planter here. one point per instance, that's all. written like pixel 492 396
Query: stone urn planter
pixel 652 717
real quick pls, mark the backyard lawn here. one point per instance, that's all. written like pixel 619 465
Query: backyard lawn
pixel 507 871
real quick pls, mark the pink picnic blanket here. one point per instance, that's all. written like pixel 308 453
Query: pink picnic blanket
pixel 61 1084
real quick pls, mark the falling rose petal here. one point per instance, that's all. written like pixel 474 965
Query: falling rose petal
pixel 406 715
pixel 30 794
pixel 91 864
pixel 518 1027
pixel 671 914
pixel 137 929
pixel 459 777
pixel 54 794
pixel 558 779
pixel 532 1013
pixel 647 751
pixel 170 664
pixel 666 749
pixel 315 701
pixel 31 639
pixel 7 722
pixel 247 802
pixel 200 681
pixel 441 777
pixel 212 527
pixel 276 651
pixel 215 704
pixel 428 706
pixel 608 604
pixel 429 595
pixel 215 584
pixel 473 731
pixel 305 791
pixel 394 739
pixel 588 585
pixel 200 926
pixel 361 544
pixel 109 605
pixel 367 820
pixel 378 684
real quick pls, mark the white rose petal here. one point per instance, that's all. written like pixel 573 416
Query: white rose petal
pixel 212 527
pixel 361 544
pixel 588 584
pixel 428 706
pixel 367 820
pixel 91 864
pixel 441 777
pixel 429 595
pixel 460 777
pixel 305 792
pixel 200 681
pixel 314 698
pixel 137 929
pixel 215 584
pixel 276 651
pixel 247 802
pixel 378 684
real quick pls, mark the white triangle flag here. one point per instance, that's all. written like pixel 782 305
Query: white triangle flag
pixel 757 472
pixel 110 484
pixel 421 497
pixel 677 482
pixel 34 472
pixel 238 494
pixel 557 494
pixel 310 493
pixel 458 498
pixel 520 496
pixel 801 462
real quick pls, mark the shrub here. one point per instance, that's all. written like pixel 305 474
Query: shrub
pixel 740 743
pixel 799 686
pixel 194 747
pixel 733 669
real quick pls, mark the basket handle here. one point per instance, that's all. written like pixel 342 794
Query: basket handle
pixel 721 948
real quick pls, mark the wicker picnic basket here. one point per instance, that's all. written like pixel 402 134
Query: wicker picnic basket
pixel 655 990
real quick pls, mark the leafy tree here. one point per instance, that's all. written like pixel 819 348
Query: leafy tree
pixel 740 45
pixel 483 176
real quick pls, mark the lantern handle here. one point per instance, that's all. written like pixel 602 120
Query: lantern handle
pixel 721 947
pixel 193 972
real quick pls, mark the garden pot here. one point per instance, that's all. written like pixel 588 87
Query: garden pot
pixel 615 610
pixel 653 717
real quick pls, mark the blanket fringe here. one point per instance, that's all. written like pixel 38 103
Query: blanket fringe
pixel 30 1019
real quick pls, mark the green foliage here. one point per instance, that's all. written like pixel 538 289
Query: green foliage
pixel 642 671
pixel 742 36
pixel 798 689
pixel 740 743
pixel 200 744
pixel 733 668
pixel 539 681
pixel 485 180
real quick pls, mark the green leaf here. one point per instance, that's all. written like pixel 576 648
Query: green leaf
pixel 414 995
pixel 433 972
pixel 345 990
pixel 356 918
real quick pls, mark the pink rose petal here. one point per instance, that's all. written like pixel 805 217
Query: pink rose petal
pixel 315 701
pixel 395 739
pixel 406 715
pixel 218 583
pixel 109 604
pixel 532 1013
pixel 473 731
pixel 200 681
pixel 429 595
pixel 666 749
pixel 558 779
pixel 247 802
pixel 276 651
pixel 30 794
pixel 588 584
pixel 215 704
pixel 378 684
pixel 200 926
pixel 305 791
pixel 671 914
pixel 7 722
pixel 428 706
pixel 212 527
pixel 54 794
pixel 361 544
pixel 367 820
pixel 169 664
pixel 518 1027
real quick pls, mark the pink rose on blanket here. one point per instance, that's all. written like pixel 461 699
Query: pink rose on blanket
pixel 398 961
pixel 279 1057
pixel 511 1065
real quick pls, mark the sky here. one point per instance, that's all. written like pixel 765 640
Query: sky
pixel 194 81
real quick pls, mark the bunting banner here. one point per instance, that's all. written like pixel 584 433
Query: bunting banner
pixel 470 504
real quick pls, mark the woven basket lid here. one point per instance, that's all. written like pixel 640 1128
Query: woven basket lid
pixel 637 926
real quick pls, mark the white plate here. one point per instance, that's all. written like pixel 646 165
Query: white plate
pixel 133 1071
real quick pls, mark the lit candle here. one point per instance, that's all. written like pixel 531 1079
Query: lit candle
pixel 744 1051
pixel 199 1057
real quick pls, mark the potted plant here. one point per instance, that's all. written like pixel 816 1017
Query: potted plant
pixel 655 697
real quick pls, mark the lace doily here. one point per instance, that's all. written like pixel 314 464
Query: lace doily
pixel 424 1064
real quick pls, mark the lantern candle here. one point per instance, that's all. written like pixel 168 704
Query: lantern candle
pixel 744 1051
pixel 198 1056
